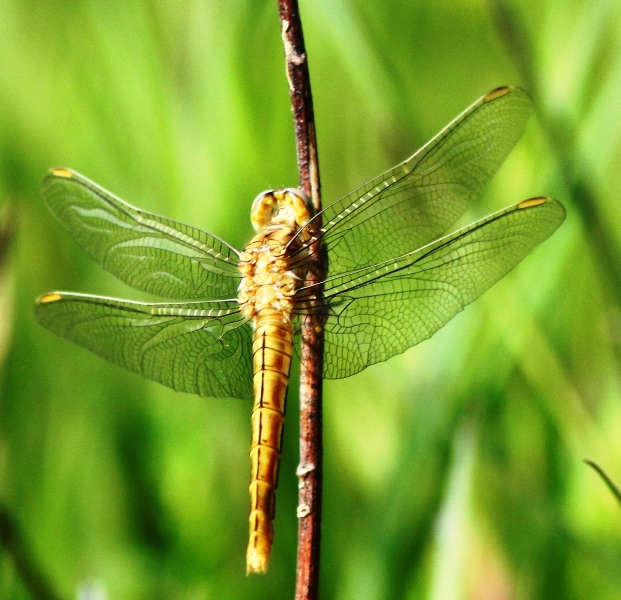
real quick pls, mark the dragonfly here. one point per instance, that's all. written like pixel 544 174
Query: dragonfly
pixel 396 274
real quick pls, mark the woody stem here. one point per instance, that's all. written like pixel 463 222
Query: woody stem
pixel 311 447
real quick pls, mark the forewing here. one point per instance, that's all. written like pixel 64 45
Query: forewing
pixel 148 252
pixel 380 311
pixel 200 347
pixel 421 198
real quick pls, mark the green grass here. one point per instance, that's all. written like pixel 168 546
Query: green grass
pixel 452 471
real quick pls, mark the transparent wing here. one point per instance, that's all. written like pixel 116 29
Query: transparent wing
pixel 200 347
pixel 421 198
pixel 382 310
pixel 148 252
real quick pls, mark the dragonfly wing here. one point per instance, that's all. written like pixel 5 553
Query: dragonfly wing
pixel 200 347
pixel 383 310
pixel 422 197
pixel 148 252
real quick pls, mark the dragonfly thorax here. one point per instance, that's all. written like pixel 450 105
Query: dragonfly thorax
pixel 268 282
pixel 287 206
pixel 269 279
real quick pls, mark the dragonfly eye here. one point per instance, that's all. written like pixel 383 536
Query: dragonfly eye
pixel 290 206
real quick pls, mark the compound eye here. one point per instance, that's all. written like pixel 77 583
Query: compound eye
pixel 263 209
pixel 301 205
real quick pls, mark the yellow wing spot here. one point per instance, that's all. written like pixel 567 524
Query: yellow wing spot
pixel 53 297
pixel 62 173
pixel 497 93
pixel 532 202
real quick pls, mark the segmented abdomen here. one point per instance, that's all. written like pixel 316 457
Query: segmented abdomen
pixel 272 348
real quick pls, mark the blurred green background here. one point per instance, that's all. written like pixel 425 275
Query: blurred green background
pixel 453 471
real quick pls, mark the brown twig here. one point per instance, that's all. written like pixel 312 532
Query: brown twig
pixel 310 469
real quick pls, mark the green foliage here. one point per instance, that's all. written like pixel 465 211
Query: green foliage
pixel 452 471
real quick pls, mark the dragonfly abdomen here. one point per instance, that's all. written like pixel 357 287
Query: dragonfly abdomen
pixel 272 348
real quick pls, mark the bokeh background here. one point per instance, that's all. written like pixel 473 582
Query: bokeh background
pixel 453 471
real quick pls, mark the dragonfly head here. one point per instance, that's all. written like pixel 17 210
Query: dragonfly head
pixel 287 206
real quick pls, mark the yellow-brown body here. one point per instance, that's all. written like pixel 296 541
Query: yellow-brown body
pixel 266 296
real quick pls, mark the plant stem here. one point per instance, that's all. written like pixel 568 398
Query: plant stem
pixel 12 541
pixel 611 486
pixel 309 470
